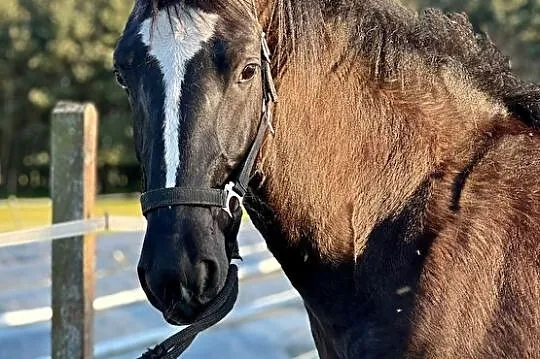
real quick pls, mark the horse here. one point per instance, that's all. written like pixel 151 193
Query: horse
pixel 397 179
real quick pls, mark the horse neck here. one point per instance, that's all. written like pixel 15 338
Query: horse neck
pixel 350 150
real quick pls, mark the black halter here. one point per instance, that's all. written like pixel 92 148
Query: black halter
pixel 174 346
pixel 212 197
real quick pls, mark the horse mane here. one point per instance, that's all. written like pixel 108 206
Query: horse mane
pixel 389 65
pixel 385 34
pixel 451 39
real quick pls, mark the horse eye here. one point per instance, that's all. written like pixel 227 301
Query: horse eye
pixel 120 80
pixel 248 72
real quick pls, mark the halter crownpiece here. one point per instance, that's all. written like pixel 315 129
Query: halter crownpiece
pixel 212 197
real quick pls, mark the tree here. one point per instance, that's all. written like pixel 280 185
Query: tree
pixel 58 49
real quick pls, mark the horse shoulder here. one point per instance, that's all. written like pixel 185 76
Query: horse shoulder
pixel 480 288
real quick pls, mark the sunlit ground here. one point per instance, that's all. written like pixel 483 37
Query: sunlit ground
pixel 16 213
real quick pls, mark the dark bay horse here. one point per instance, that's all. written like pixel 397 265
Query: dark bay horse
pixel 399 192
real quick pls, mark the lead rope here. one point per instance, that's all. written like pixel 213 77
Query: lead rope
pixel 174 346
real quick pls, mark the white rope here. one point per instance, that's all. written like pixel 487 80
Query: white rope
pixel 259 309
pixel 17 318
pixel 87 226
pixel 309 355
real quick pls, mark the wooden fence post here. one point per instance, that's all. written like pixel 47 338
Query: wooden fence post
pixel 73 183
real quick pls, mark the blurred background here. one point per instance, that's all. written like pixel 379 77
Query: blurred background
pixel 62 49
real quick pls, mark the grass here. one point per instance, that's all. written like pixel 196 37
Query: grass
pixel 17 213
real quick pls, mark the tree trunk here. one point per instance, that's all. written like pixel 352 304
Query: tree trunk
pixel 8 177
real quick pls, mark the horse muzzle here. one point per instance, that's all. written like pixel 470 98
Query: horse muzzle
pixel 183 263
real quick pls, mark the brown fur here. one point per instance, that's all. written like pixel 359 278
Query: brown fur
pixel 482 278
pixel 402 130
pixel 417 117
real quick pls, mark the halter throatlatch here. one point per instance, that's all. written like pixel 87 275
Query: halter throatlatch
pixel 174 346
pixel 213 197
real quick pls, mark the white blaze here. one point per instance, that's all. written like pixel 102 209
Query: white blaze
pixel 173 41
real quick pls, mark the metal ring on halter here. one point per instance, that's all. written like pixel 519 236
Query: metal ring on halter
pixel 230 193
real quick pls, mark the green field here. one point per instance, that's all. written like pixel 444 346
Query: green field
pixel 17 213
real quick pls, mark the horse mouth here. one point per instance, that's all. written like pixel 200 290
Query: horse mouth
pixel 186 311
pixel 181 314
pixel 195 308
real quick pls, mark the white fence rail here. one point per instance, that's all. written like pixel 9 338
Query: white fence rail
pixel 72 229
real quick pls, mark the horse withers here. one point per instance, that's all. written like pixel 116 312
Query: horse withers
pixel 399 192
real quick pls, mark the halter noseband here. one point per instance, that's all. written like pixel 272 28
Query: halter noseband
pixel 213 197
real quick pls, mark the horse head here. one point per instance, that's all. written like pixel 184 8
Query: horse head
pixel 195 85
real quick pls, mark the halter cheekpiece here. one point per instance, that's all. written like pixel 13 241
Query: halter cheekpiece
pixel 214 197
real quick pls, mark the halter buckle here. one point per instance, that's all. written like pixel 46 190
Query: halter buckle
pixel 231 193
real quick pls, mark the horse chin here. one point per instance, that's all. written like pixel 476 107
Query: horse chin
pixel 178 321
pixel 173 321
pixel 183 313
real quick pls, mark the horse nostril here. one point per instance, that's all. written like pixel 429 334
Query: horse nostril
pixel 169 288
pixel 207 273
